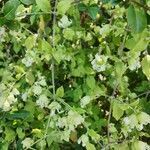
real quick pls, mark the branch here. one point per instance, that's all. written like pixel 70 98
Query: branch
pixel 34 13
pixel 52 66
pixel 140 5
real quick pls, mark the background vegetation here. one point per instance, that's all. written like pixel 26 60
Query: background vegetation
pixel 75 74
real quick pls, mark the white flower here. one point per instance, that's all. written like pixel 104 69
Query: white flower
pixel 11 99
pixel 65 135
pixel 54 106
pixel 62 122
pixel 37 90
pixel 105 30
pixel 84 139
pixel 6 106
pixel 27 142
pixel 42 101
pixel 126 121
pixel 140 127
pixel 28 61
pixel 15 91
pixel 74 119
pixel 143 118
pixel 64 22
pixel 42 82
pixel 71 121
pixel 99 63
pixel 24 96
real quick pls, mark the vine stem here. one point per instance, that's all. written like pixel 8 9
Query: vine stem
pixel 52 67
pixel 34 13
pixel 110 112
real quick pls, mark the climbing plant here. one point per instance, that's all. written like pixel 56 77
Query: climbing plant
pixel 75 74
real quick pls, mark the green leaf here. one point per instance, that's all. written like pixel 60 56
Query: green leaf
pixel 30 77
pixel 20 133
pixel 63 6
pixel 139 145
pixel 44 5
pixel 94 135
pixel 93 11
pixel 45 46
pixel 30 41
pixel 68 34
pixel 27 2
pixel 146 66
pixel 143 118
pixel 82 7
pixel 18 115
pixel 9 134
pixel 120 69
pixel 117 111
pixel 139 42
pixel 60 92
pixel 77 94
pixel 4 146
pixel 10 8
pixel 90 146
pixel 136 19
pixel 90 82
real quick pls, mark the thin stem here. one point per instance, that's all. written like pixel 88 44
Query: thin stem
pixel 121 47
pixel 144 93
pixel 52 66
pixel 110 112
pixel 27 30
pixel 34 13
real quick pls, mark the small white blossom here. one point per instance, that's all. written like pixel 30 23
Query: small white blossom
pixel 37 89
pixel 54 106
pixel 62 122
pixel 140 127
pixel 27 142
pixel 64 22
pixel 42 101
pixel 6 106
pixel 15 91
pixel 105 30
pixel 42 82
pixel 24 96
pixel 126 120
pixel 99 63
pixel 65 135
pixel 11 99
pixel 84 139
pixel 74 119
pixel 71 121
pixel 28 61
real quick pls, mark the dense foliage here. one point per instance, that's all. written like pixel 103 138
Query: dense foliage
pixel 74 74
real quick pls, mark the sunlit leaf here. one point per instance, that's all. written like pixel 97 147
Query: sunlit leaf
pixel 10 8
pixel 146 66
pixel 44 5
pixel 136 19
